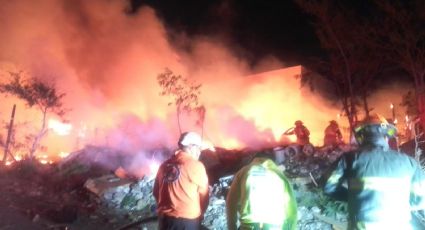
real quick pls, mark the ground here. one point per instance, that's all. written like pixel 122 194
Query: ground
pixel 31 199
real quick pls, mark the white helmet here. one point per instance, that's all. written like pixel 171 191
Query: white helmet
pixel 190 138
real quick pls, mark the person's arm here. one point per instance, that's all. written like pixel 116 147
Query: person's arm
pixel 334 180
pixel 232 201
pixel 417 193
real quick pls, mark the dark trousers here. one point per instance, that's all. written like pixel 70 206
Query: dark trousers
pixel 175 223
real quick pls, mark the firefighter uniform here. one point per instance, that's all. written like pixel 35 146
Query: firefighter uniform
pixel 333 136
pixel 301 132
pixel 382 186
pixel 262 196
pixel 181 187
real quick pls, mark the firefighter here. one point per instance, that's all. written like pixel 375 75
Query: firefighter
pixel 181 186
pixel 333 136
pixel 301 132
pixel 383 185
pixel 262 197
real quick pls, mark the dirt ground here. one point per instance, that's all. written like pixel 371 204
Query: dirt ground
pixel 32 199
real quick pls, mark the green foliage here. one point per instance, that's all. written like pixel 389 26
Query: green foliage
pixel 185 93
pixel 35 93
pixel 128 201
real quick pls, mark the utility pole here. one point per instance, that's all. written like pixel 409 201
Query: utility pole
pixel 9 134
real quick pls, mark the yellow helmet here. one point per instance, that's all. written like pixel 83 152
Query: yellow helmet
pixel 374 125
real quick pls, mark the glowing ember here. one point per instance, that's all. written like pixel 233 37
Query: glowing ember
pixel 120 172
pixel 63 154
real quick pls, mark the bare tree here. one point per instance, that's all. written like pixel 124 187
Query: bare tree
pixel 349 60
pixel 185 94
pixel 331 23
pixel 37 94
pixel 399 33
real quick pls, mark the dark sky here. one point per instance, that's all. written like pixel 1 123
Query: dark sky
pixel 254 28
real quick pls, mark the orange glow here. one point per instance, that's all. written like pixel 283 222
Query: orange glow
pixel 230 143
pixel 114 100
pixel 61 129
pixel 43 161
pixel 292 138
pixel 63 154
pixel 120 172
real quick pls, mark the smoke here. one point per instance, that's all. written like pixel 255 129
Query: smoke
pixel 107 61
pixel 389 94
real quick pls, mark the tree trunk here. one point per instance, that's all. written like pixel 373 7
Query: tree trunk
pixel 40 135
pixel 365 106
pixel 421 108
pixel 9 134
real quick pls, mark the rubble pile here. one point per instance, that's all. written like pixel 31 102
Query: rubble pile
pixel 315 211
pixel 84 190
pixel 124 196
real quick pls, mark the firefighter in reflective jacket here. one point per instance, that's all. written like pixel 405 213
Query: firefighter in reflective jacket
pixel 382 186
pixel 262 197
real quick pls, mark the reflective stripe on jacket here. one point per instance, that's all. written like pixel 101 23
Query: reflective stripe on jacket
pixel 382 187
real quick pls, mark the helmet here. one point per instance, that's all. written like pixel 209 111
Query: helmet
pixel 298 122
pixel 190 138
pixel 374 126
pixel 333 122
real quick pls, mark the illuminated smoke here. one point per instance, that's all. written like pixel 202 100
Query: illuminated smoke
pixel 106 61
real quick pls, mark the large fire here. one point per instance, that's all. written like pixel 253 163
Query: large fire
pixel 106 62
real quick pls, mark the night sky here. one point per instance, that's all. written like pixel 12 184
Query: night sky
pixel 254 28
